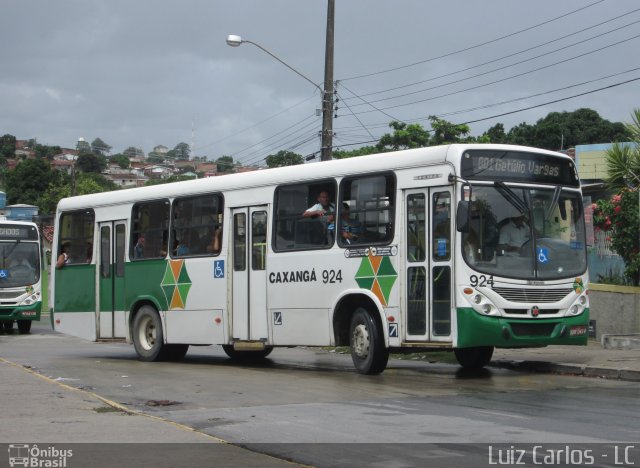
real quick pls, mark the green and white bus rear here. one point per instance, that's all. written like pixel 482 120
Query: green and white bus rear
pixel 414 257
pixel 20 279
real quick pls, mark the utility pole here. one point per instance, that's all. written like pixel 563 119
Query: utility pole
pixel 327 95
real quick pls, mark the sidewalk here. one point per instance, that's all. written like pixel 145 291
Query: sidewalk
pixel 592 360
pixel 43 411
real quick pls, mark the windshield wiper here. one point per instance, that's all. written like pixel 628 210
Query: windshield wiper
pixel 554 202
pixel 511 197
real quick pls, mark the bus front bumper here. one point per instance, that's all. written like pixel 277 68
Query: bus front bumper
pixel 25 312
pixel 479 330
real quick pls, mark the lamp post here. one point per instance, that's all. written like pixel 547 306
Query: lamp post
pixel 326 93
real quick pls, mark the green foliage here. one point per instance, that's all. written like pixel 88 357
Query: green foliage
pixel 121 160
pixel 404 136
pixel 7 146
pixel 284 158
pixel 155 158
pixel 168 180
pixel 356 152
pixel 100 148
pixel 496 134
pixel 225 164
pixel 89 162
pixel 91 179
pixel 620 217
pixel 27 182
pixel 133 152
pixel 47 152
pixel 445 132
pixel 181 152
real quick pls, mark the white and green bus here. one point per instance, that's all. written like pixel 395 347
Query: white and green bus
pixel 20 279
pixel 461 247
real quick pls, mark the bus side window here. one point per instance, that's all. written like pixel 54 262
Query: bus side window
pixel 297 223
pixel 76 232
pixel 371 205
pixel 149 231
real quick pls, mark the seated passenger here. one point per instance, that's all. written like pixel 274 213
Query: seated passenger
pixel 138 250
pixel 350 228
pixel 513 236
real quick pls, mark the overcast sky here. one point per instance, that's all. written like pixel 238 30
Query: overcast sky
pixel 147 72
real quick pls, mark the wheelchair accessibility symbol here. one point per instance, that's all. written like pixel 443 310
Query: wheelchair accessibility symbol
pixel 4 274
pixel 543 255
pixel 218 269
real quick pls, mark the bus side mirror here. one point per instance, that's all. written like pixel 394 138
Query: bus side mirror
pixel 462 216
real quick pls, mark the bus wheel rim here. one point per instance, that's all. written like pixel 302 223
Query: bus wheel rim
pixel 148 334
pixel 361 341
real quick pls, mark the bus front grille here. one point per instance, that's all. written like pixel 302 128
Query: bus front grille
pixel 533 295
pixel 532 329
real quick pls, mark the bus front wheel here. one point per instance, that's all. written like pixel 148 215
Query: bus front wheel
pixel 474 358
pixel 148 339
pixel 24 326
pixel 368 351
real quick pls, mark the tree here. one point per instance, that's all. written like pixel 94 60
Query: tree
pixel 496 134
pixel 284 158
pixel 89 162
pixel 225 164
pixel 168 180
pixel 47 152
pixel 156 157
pixel 100 148
pixel 405 136
pixel 181 152
pixel 133 152
pixel 27 182
pixel 7 146
pixel 620 216
pixel 121 160
pixel 445 132
pixel 364 150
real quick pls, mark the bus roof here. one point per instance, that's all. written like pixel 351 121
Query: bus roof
pixel 285 175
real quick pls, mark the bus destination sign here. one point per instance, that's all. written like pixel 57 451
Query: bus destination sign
pixel 518 166
pixel 17 232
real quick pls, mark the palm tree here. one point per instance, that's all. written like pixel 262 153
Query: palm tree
pixel 623 160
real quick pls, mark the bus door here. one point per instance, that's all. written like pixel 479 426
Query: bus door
pixel 249 276
pixel 428 240
pixel 110 270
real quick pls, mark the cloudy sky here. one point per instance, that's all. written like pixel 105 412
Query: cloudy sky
pixel 148 72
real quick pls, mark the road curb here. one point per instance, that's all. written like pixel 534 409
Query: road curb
pixel 545 367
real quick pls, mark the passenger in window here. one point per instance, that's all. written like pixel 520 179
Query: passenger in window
pixel 63 258
pixel 216 241
pixel 350 228
pixel 324 210
pixel 89 255
pixel 182 248
pixel 138 250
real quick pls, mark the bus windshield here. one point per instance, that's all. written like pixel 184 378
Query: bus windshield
pixel 525 233
pixel 19 264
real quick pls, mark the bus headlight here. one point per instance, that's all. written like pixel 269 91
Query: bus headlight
pixel 480 302
pixel 578 306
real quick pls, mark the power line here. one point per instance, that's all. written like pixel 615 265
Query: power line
pixel 486 106
pixel 527 108
pixel 504 57
pixel 474 46
pixel 503 79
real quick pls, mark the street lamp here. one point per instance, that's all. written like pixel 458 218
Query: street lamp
pixel 234 40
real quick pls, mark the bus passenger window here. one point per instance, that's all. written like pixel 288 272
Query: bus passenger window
pixel 149 231
pixel 305 216
pixel 196 226
pixel 370 202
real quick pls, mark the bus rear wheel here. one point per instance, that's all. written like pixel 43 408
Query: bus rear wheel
pixel 368 352
pixel 247 355
pixel 474 358
pixel 148 339
pixel 24 326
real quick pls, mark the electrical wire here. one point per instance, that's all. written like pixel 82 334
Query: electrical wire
pixel 474 46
